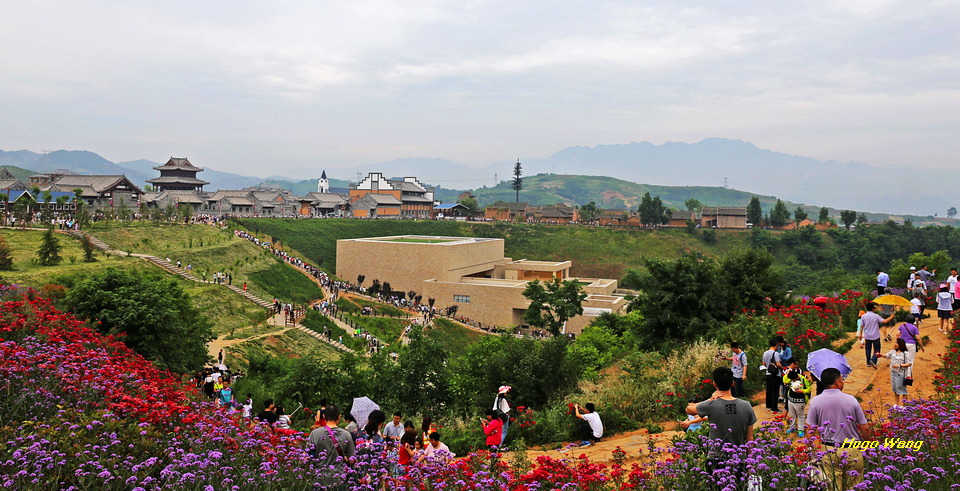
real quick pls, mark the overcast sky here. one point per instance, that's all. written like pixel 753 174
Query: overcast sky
pixel 264 87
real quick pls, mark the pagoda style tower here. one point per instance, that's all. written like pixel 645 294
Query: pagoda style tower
pixel 178 175
pixel 323 186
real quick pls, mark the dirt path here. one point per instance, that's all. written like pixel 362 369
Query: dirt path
pixel 872 386
pixel 223 343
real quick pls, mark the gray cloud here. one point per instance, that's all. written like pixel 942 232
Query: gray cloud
pixel 258 88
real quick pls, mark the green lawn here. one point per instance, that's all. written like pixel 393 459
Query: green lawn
pixel 455 338
pixel 596 252
pixel 208 250
pixel 353 304
pixel 229 312
pixel 24 244
pixel 420 241
pixel 386 329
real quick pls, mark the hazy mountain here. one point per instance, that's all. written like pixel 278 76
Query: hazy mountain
pixel 848 185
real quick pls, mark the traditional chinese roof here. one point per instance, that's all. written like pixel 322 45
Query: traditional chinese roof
pixel 178 164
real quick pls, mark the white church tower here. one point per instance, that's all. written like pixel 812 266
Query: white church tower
pixel 323 186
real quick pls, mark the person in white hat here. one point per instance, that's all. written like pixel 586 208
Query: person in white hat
pixel 500 404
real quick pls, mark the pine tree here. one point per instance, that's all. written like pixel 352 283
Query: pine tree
pixel 754 211
pixel 824 215
pixel 517 179
pixel 6 259
pixel 88 250
pixel 49 252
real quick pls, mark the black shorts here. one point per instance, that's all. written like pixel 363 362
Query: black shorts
pixel 944 314
pixel 956 304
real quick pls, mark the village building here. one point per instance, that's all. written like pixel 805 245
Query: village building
pixel 102 193
pixel 506 211
pixel 178 174
pixel 390 198
pixel 10 182
pixel 723 217
pixel 680 218
pixel 470 273
pixel 450 210
pixel 465 195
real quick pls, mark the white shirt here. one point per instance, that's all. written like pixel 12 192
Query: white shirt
pixel 915 308
pixel 952 283
pixel 504 405
pixel 595 424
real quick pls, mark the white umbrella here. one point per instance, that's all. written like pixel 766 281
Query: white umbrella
pixel 362 407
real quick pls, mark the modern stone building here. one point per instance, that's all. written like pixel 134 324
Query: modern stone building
pixel 376 196
pixel 471 273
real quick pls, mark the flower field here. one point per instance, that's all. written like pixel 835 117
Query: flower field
pixel 81 411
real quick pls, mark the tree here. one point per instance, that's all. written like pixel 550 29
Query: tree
pixel 693 205
pixel 952 212
pixel 517 179
pixel 552 303
pixel 824 215
pixel 652 211
pixel 861 219
pixel 847 217
pixel 153 312
pixel 6 201
pixel 471 204
pixel 800 214
pixel 589 211
pixel 6 259
pixel 49 252
pixel 754 211
pixel 88 249
pixel 360 279
pixel 779 215
pixel 423 378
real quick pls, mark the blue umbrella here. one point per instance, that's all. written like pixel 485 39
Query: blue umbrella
pixel 362 407
pixel 822 359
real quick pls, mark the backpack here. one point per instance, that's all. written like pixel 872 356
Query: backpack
pixel 772 368
pixel 502 416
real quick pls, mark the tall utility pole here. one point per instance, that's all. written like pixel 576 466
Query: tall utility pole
pixel 517 179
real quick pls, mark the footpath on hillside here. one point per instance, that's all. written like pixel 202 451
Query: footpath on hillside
pixel 871 386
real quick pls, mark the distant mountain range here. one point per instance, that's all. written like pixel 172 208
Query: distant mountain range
pixel 699 167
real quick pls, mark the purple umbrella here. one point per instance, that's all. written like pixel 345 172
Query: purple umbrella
pixel 820 360
pixel 362 407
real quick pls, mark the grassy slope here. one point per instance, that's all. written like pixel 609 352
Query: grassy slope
pixel 454 338
pixel 208 250
pixel 595 252
pixel 24 244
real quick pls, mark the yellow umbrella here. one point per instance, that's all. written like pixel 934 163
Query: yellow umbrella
pixel 895 300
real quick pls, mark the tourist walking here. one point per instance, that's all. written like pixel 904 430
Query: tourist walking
pixel 731 422
pixel 900 362
pixel 870 334
pixel 882 280
pixel 333 446
pixel 836 417
pixel 798 394
pixel 774 368
pixel 394 429
pixel 944 306
pixel 739 367
pixel 502 409
pixel 910 334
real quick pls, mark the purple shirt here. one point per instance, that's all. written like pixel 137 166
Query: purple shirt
pixel 871 325
pixel 909 333
pixel 839 414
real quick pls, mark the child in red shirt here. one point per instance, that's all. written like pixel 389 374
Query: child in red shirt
pixel 493 428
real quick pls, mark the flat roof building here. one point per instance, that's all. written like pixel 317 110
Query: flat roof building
pixel 471 273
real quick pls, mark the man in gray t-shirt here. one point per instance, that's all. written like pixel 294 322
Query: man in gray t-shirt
pixel 330 452
pixel 731 419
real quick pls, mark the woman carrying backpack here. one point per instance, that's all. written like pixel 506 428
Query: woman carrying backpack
pixel 501 410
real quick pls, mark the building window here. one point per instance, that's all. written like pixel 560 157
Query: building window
pixel 461 298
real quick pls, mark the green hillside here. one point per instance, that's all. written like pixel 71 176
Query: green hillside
pixel 596 252
pixel 19 172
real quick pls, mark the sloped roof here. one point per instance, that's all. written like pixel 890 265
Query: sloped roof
pixel 513 206
pixel 722 211
pixel 182 196
pixel 416 199
pixel 323 175
pixel 98 184
pixel 448 206
pixel 177 180
pixel 227 193
pixel 176 163
pixel 683 215
pixel 378 199
pixel 238 201
pixel 12 184
pixel 406 186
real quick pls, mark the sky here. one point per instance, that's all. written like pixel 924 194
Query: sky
pixel 260 88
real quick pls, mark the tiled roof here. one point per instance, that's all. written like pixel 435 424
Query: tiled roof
pixel 178 164
pixel 177 180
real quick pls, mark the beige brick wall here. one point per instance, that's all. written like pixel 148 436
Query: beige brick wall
pixel 405 265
